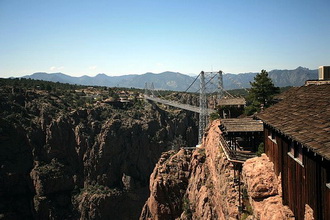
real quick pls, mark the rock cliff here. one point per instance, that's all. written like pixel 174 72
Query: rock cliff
pixel 264 189
pixel 59 160
pixel 206 190
pixel 203 184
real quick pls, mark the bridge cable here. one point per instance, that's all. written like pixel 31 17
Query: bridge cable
pixel 223 90
pixel 192 83
pixel 207 82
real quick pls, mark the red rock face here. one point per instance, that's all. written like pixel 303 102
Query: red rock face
pixel 206 188
pixel 211 190
pixel 167 186
pixel 260 177
pixel 263 188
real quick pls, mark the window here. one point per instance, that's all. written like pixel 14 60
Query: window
pixel 296 152
pixel 291 150
pixel 272 136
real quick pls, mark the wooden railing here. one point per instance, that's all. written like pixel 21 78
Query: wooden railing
pixel 234 155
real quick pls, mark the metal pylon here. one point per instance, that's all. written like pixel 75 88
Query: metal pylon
pixel 202 108
pixel 146 92
pixel 152 90
pixel 220 85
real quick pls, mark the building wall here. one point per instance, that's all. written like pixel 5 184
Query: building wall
pixel 303 178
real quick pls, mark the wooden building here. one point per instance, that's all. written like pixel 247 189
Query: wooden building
pixel 242 134
pixel 231 107
pixel 297 141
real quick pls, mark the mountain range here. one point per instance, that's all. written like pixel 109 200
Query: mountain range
pixel 179 82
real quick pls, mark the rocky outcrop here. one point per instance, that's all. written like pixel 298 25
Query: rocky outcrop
pixel 263 189
pixel 211 191
pixel 206 190
pixel 260 178
pixel 168 183
pixel 309 213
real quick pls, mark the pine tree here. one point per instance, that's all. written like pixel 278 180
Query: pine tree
pixel 262 92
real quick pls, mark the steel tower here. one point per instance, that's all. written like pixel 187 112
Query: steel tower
pixel 220 85
pixel 152 89
pixel 202 108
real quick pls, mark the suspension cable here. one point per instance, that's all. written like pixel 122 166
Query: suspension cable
pixel 207 82
pixel 192 82
pixel 223 90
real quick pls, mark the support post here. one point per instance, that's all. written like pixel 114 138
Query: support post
pixel 152 90
pixel 220 85
pixel 146 89
pixel 202 108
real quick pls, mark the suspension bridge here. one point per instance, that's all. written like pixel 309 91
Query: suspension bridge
pixel 206 80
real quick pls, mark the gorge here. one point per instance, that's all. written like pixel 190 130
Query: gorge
pixel 62 160
pixel 67 152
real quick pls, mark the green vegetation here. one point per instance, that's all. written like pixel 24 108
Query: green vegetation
pixel 214 116
pixel 100 189
pixel 239 92
pixel 262 93
pixel 54 169
pixel 23 100
pixel 246 204
pixel 186 207
pixel 261 149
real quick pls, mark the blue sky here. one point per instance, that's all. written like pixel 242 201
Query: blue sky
pixel 133 37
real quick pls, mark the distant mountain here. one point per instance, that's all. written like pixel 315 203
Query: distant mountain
pixel 165 81
pixel 180 82
pixel 281 78
pixel 296 77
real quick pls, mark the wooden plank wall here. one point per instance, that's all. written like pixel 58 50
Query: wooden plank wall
pixel 311 181
pixel 272 151
pixel 317 193
pixel 325 196
pixel 300 184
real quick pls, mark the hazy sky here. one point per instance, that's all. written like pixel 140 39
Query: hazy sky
pixel 80 37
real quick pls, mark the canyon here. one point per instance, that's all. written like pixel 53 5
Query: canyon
pixel 64 160
pixel 60 161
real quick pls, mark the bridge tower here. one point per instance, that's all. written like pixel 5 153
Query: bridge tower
pixel 220 85
pixel 152 89
pixel 202 108
pixel 149 90
pixel 146 92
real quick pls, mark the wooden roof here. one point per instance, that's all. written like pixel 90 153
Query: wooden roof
pixel 232 101
pixel 242 125
pixel 303 116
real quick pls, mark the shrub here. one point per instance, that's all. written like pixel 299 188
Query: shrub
pixel 261 149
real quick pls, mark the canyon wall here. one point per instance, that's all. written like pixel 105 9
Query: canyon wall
pixel 60 162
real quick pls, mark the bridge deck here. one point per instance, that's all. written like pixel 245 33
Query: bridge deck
pixel 178 105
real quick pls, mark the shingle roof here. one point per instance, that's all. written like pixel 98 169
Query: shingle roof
pixel 303 116
pixel 232 101
pixel 242 125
